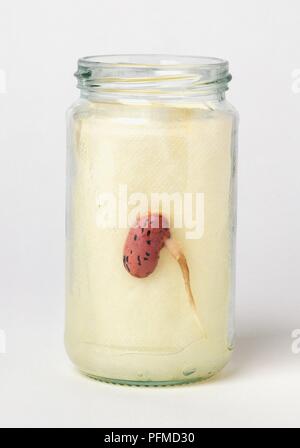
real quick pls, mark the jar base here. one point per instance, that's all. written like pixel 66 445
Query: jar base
pixel 132 370
pixel 133 383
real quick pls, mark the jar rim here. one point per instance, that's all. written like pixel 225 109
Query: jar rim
pixel 152 74
pixel 152 60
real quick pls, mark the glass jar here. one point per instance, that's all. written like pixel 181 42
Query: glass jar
pixel 151 203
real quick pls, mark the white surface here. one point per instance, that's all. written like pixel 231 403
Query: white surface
pixel 39 45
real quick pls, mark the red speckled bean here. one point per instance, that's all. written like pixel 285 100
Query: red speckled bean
pixel 144 243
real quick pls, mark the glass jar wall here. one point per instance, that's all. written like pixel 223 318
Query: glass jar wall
pixel 151 219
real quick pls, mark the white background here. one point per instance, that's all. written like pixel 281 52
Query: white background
pixel 40 43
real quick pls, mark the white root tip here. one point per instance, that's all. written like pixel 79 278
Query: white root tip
pixel 174 248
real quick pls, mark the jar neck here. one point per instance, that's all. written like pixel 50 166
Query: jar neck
pixel 152 78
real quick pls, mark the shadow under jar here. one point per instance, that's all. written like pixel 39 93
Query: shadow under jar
pixel 151 203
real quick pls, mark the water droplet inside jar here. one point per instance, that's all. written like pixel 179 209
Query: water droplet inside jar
pixel 189 371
